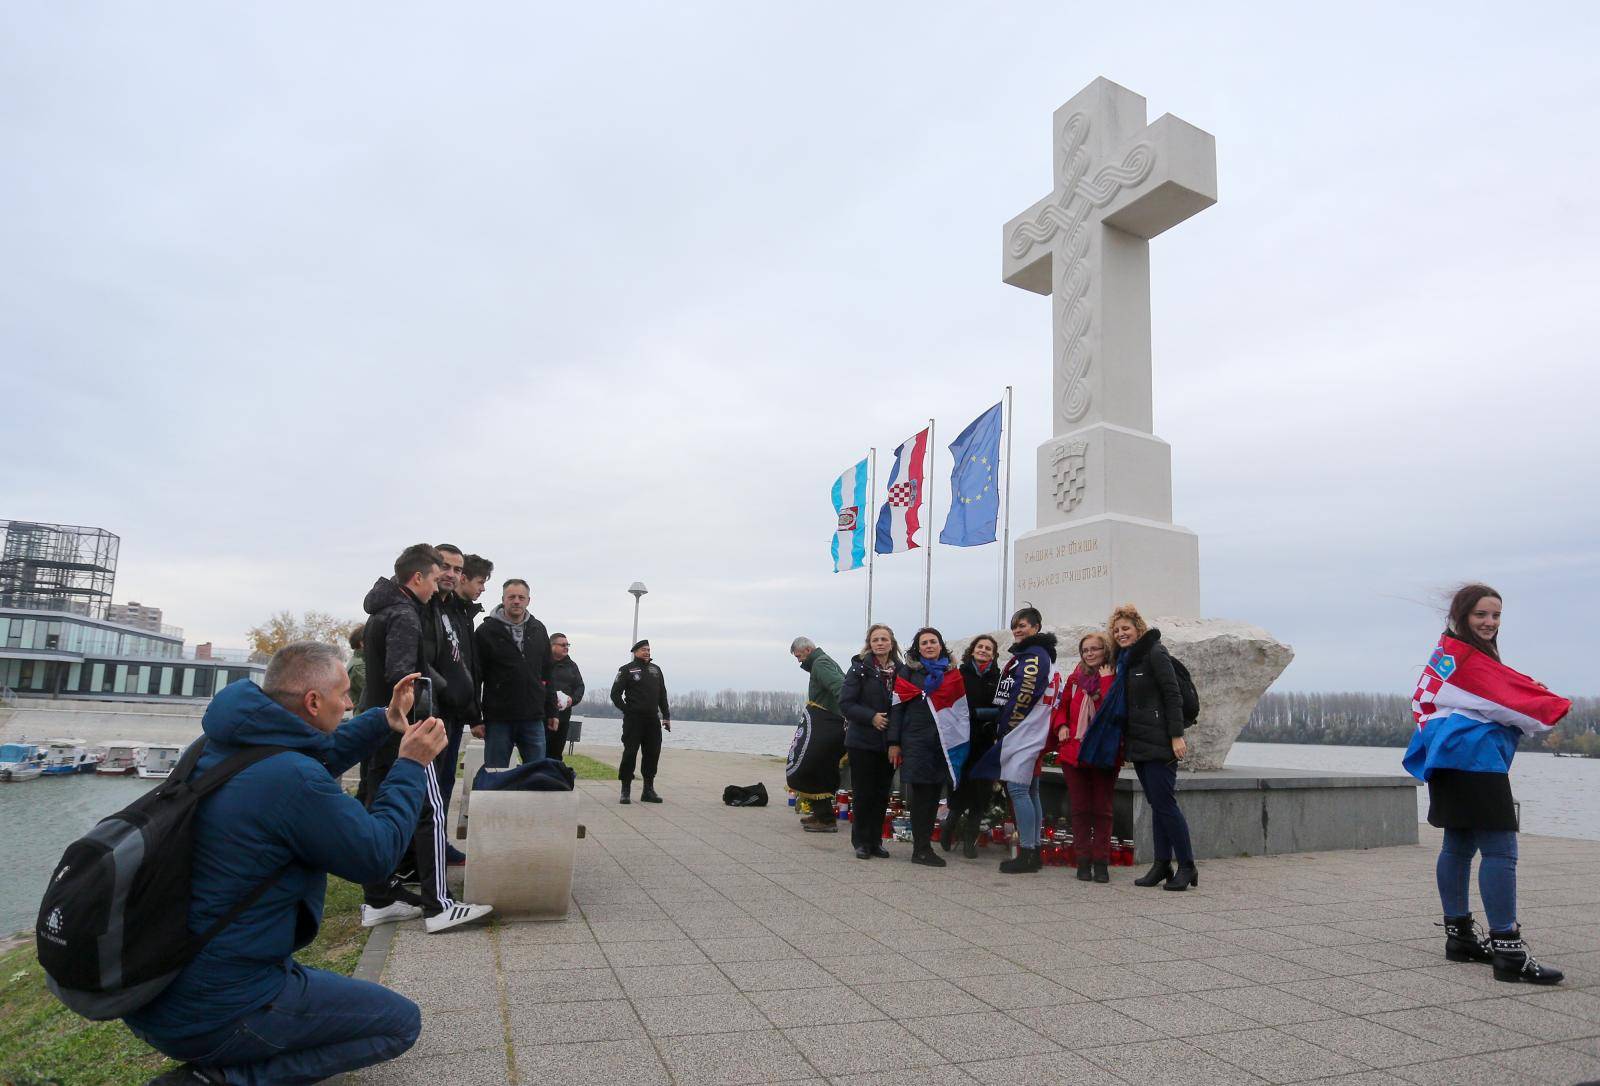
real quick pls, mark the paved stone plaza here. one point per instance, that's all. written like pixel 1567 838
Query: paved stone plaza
pixel 710 945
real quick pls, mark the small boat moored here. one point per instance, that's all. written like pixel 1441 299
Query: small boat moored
pixel 157 759
pixel 68 756
pixel 21 761
pixel 122 758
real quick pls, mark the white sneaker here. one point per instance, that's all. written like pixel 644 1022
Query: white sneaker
pixel 371 917
pixel 455 916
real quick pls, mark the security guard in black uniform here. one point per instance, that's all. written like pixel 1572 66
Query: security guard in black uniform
pixel 641 694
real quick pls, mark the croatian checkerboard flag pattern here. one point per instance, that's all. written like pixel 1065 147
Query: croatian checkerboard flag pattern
pixel 950 712
pixel 901 517
pixel 850 528
pixel 1470 710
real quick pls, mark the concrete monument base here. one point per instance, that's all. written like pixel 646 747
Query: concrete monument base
pixel 1080 571
pixel 1264 812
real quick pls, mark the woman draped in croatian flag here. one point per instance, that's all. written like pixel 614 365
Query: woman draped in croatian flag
pixel 1471 711
pixel 929 733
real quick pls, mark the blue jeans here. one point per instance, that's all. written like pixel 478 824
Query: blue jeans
pixel 320 1026
pixel 1029 812
pixel 499 736
pixel 1169 828
pixel 1497 874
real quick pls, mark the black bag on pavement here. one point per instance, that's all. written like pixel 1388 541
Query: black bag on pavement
pixel 739 796
pixel 113 928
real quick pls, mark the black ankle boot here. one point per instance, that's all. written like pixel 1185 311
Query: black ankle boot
pixel 947 833
pixel 1025 862
pixel 649 795
pixel 969 839
pixel 1513 963
pixel 1462 943
pixel 1186 876
pixel 1085 871
pixel 627 786
pixel 927 857
pixel 1159 872
pixel 1102 871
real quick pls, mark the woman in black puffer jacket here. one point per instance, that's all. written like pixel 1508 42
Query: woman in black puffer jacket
pixel 914 745
pixel 864 701
pixel 1153 732
pixel 980 670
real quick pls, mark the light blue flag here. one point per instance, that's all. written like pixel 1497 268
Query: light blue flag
pixel 850 532
pixel 975 483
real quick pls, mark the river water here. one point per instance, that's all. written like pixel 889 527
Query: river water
pixel 1560 796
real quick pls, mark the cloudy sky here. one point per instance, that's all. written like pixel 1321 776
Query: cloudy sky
pixel 613 292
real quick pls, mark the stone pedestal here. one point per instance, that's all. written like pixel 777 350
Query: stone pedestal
pixel 521 847
pixel 1076 573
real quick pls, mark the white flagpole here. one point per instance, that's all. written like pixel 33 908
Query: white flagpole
pixel 872 531
pixel 1005 539
pixel 927 583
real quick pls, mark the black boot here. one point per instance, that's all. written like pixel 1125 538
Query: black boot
pixel 1085 872
pixel 947 833
pixel 649 795
pixel 1186 876
pixel 1513 963
pixel 1159 872
pixel 1035 858
pixel 1462 943
pixel 1102 871
pixel 969 839
pixel 927 857
pixel 627 786
pixel 1025 862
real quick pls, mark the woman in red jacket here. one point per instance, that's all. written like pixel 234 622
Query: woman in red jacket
pixel 1089 791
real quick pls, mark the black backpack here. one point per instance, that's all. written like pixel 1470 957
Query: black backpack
pixel 113 927
pixel 737 795
pixel 1186 691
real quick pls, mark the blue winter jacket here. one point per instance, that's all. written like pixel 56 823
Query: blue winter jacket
pixel 287 810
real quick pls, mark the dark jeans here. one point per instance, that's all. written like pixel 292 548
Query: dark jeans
pixel 1090 793
pixel 427 842
pixel 640 735
pixel 499 736
pixel 923 805
pixel 1497 874
pixel 1160 783
pixel 870 778
pixel 556 741
pixel 320 1026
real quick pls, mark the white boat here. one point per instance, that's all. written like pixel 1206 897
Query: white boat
pixel 157 760
pixel 122 758
pixel 68 756
pixel 21 761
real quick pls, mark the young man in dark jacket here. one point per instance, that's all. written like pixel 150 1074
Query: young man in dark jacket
pixel 640 692
pixel 519 707
pixel 244 1010
pixel 402 637
pixel 568 683
pixel 455 607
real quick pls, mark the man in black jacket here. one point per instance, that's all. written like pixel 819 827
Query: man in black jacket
pixel 401 638
pixel 568 683
pixel 519 707
pixel 454 609
pixel 640 693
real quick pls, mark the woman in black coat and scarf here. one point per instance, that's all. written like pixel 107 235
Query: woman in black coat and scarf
pixel 914 746
pixel 864 703
pixel 1153 732
pixel 981 674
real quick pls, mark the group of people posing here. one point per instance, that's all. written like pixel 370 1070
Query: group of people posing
pixel 1120 700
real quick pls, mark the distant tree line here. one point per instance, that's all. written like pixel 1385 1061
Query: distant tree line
pixel 725 706
pixel 1384 720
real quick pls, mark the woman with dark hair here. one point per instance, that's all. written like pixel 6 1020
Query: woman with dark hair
pixel 981 674
pixel 1471 711
pixel 914 745
pixel 864 702
pixel 1150 707
pixel 1089 788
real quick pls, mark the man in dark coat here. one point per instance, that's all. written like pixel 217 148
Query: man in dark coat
pixel 519 706
pixel 568 683
pixel 820 738
pixel 455 607
pixel 243 1009
pixel 640 693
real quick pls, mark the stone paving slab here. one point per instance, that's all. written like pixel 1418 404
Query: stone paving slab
pixel 720 947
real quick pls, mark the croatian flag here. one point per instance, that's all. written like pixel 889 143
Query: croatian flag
pixel 850 530
pixel 949 704
pixel 1471 710
pixel 900 518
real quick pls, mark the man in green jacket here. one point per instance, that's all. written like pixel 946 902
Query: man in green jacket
pixel 827 732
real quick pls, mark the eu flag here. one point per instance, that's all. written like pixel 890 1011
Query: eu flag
pixel 975 483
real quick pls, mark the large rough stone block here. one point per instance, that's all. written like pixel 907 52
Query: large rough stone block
pixel 1232 663
pixel 521 847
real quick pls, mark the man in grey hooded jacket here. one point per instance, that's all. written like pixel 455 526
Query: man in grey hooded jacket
pixel 519 706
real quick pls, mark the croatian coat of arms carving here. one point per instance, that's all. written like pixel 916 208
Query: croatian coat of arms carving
pixel 1066 467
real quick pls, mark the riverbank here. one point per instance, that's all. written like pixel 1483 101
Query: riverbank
pixel 720 945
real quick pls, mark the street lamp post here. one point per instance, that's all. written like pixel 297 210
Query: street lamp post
pixel 637 589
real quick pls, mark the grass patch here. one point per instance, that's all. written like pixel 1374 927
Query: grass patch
pixel 590 769
pixel 44 1044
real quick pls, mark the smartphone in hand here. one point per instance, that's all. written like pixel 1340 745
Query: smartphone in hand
pixel 422 700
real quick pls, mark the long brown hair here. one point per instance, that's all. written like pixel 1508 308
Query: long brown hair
pixel 1467 598
pixel 1106 645
pixel 894 644
pixel 967 657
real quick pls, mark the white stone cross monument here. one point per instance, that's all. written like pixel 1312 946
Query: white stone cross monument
pixel 1105 531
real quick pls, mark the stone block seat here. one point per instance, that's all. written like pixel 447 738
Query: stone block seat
pixel 521 847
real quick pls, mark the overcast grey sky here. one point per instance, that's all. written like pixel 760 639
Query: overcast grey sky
pixel 613 292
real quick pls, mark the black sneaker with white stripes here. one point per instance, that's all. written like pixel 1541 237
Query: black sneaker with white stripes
pixel 454 915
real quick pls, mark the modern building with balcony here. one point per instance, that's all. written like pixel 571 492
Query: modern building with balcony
pixel 56 640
